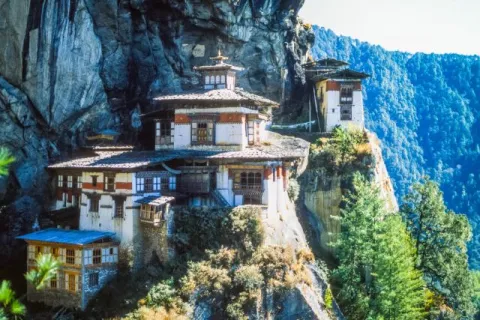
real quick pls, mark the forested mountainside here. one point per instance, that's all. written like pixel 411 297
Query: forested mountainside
pixel 425 108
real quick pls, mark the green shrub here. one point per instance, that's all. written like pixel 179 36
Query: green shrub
pixel 244 229
pixel 162 294
pixel 248 277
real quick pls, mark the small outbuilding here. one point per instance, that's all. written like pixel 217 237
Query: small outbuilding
pixel 88 260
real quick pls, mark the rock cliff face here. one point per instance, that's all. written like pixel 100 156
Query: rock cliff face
pixel 71 67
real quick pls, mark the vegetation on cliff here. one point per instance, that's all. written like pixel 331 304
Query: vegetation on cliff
pixel 410 264
pixel 221 267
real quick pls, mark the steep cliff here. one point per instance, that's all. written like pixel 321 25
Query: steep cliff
pixel 325 183
pixel 72 67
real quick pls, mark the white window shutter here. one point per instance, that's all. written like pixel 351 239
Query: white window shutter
pixel 62 255
pixel 77 280
pixel 78 256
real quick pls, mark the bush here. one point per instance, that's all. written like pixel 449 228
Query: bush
pixel 244 229
pixel 162 294
pixel 248 277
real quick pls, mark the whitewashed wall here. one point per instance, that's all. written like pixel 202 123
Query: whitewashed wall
pixel 332 108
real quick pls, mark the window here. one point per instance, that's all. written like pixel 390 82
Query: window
pixel 346 93
pixel 217 79
pixel 70 282
pixel 97 256
pixel 157 182
pixel 70 182
pixel 109 181
pixel 222 80
pixel 140 184
pixel 248 180
pixel 333 110
pixel 119 208
pixel 94 204
pixel 212 79
pixel 148 184
pixel 55 252
pixel 59 181
pixel 346 112
pixel 94 181
pixel 251 132
pixel 207 80
pixel 79 182
pixel 164 132
pixel 252 199
pixel 70 258
pixel 53 283
pixel 64 181
pixel 173 183
pixel 202 132
pixel 93 279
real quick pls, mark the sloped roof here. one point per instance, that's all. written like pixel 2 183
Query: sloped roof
pixel 155 200
pixel 325 63
pixel 341 74
pixel 218 67
pixel 276 147
pixel 121 160
pixel 218 95
pixel 75 237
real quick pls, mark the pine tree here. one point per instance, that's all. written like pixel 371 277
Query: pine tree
pixel 399 287
pixel 440 237
pixel 360 223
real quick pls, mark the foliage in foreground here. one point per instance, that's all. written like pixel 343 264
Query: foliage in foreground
pixel 11 307
pixel 392 270
pixel 6 159
pixel 440 237
pixel 376 275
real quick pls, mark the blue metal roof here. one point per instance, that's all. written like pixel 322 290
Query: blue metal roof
pixel 75 237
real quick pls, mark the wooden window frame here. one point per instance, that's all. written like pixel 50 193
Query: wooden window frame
pixel 140 184
pixel 94 204
pixel 148 184
pixel 69 258
pixel 346 93
pixel 93 279
pixel 248 180
pixel 97 256
pixel 109 182
pixel 94 181
pixel 207 129
pixel 119 208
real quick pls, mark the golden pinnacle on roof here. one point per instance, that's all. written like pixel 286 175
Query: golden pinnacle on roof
pixel 219 58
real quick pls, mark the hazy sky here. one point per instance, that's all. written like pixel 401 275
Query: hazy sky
pixel 440 26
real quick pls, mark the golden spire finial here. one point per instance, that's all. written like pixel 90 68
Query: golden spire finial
pixel 219 58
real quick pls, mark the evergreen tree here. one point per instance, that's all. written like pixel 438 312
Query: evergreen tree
pixel 399 287
pixel 360 225
pixel 440 237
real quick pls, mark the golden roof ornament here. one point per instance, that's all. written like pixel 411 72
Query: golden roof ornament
pixel 219 58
